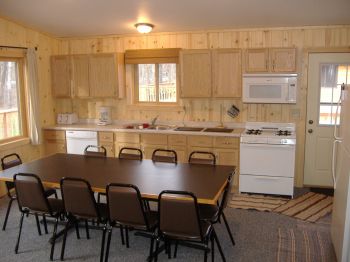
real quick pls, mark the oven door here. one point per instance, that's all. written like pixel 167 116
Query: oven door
pixel 267 160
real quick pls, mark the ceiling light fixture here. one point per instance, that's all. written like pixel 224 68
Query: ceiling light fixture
pixel 144 28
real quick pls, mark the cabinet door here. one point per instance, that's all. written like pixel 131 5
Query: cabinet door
pixel 227 73
pixel 195 73
pixel 181 152
pixel 119 146
pixel 147 150
pixel 103 75
pixel 55 146
pixel 60 71
pixel 109 148
pixel 226 157
pixel 256 60
pixel 283 59
pixel 80 75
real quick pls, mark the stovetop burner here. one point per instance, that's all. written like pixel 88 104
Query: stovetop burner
pixel 283 133
pixel 254 132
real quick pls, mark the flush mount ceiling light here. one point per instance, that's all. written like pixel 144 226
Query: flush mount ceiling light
pixel 144 28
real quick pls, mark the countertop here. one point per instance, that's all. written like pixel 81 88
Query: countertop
pixel 119 128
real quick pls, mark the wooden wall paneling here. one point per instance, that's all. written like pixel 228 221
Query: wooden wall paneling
pixel 314 38
pixel 336 37
pixel 244 39
pixel 199 41
pixel 257 39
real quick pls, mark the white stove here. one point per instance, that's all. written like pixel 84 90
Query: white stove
pixel 267 158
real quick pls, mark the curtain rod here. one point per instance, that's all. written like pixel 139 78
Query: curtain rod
pixel 18 47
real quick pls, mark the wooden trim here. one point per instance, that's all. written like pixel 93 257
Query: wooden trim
pixel 152 56
pixel 14 142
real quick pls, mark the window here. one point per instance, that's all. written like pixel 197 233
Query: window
pixel 156 83
pixel 11 97
pixel 332 78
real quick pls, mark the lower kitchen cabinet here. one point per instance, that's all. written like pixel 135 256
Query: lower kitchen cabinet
pixel 181 153
pixel 106 140
pixel 147 150
pixel 55 142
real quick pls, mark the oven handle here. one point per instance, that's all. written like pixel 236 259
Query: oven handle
pixel 267 178
pixel 267 145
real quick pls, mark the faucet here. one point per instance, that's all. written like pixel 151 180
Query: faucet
pixel 153 122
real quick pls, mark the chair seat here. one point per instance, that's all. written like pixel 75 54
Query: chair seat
pixel 56 205
pixel 206 227
pixel 49 191
pixel 208 212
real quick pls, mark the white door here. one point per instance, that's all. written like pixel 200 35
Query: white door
pixel 326 73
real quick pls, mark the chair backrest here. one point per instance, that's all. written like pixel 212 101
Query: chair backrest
pixel 78 198
pixel 202 157
pixel 97 151
pixel 10 160
pixel 178 215
pixel 164 155
pixel 30 193
pixel 225 194
pixel 135 154
pixel 125 205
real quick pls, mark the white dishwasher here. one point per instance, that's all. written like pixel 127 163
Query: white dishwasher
pixel 77 141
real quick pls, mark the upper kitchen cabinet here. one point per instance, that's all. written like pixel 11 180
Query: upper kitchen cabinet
pixel 96 75
pixel 227 72
pixel 106 75
pixel 195 73
pixel 61 79
pixel 270 60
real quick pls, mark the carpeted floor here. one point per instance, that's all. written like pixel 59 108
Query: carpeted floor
pixel 257 235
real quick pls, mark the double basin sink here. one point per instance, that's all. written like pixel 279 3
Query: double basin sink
pixel 192 129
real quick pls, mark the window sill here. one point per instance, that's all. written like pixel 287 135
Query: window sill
pixel 14 143
pixel 155 107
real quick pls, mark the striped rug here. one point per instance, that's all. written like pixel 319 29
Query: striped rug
pixel 257 202
pixel 308 207
pixel 304 245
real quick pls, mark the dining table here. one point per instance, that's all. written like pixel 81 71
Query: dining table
pixel 207 182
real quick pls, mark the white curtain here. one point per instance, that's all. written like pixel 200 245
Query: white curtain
pixel 33 98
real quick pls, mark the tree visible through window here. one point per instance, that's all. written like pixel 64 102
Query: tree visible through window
pixel 156 83
pixel 10 123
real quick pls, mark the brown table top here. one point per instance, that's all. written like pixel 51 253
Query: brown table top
pixel 205 181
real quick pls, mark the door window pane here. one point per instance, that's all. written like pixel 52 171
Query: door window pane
pixel 147 83
pixel 167 83
pixel 10 124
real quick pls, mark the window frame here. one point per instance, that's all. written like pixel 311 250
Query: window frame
pixel 156 103
pixel 19 57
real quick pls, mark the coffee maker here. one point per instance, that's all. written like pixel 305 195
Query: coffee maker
pixel 105 116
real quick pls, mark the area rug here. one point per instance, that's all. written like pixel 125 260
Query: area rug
pixel 308 207
pixel 296 245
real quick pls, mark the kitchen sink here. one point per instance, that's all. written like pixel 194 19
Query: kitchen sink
pixel 186 128
pixel 219 130
pixel 160 127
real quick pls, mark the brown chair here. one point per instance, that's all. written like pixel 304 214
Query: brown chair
pixel 9 161
pixel 179 221
pixel 96 151
pixel 214 213
pixel 197 157
pixel 125 153
pixel 168 156
pixel 32 199
pixel 80 205
pixel 126 210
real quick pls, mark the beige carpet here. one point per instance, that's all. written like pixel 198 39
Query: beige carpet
pixel 308 207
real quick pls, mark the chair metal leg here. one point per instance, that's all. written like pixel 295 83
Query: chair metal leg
pixel 64 240
pixel 19 233
pixel 103 243
pixel 108 244
pixel 219 246
pixel 45 224
pixel 87 229
pixel 76 224
pixel 212 248
pixel 157 250
pixel 38 224
pixel 53 239
pixel 122 234
pixel 206 253
pixel 169 249
pixel 175 251
pixel 127 236
pixel 151 247
pixel 56 196
pixel 98 198
pixel 228 229
pixel 7 213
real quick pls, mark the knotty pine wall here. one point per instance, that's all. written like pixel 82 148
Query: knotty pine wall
pixel 12 34
pixel 303 38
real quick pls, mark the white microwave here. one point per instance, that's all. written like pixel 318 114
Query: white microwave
pixel 269 88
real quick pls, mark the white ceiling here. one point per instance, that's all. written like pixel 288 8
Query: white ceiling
pixel 66 18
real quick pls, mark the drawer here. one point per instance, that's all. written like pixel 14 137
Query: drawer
pixel 105 137
pixel 54 135
pixel 177 140
pixel 226 142
pixel 127 137
pixel 266 185
pixel 201 141
pixel 154 139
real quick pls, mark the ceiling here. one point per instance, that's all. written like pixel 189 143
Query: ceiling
pixel 67 18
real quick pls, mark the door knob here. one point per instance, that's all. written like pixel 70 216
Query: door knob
pixel 310 131
pixel 311 122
